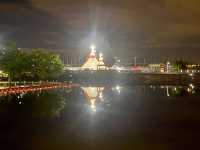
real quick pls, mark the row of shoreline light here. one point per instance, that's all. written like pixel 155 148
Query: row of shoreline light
pixel 34 88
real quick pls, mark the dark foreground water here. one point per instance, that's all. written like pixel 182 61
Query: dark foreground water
pixel 104 117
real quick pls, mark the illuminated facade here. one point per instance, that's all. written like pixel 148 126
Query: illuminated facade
pixel 101 65
pixel 93 63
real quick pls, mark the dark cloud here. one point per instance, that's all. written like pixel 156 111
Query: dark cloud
pixel 165 28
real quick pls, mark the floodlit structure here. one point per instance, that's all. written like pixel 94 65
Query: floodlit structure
pixel 101 59
pixel 101 65
pixel 92 63
pixel 156 68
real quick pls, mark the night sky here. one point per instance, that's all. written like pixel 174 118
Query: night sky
pixel 145 28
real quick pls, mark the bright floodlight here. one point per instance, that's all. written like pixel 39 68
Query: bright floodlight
pixel 93 47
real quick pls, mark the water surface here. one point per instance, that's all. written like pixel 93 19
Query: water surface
pixel 102 117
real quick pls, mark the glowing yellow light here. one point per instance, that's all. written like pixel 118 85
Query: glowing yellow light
pixel 192 86
pixel 191 74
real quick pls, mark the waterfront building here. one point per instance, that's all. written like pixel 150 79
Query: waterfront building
pixel 92 63
pixel 156 67
pixel 193 68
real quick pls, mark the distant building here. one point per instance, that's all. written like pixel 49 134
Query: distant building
pixel 193 68
pixel 157 67
pixel 92 62
pixel 3 75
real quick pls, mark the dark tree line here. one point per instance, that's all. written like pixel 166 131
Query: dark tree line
pixel 30 65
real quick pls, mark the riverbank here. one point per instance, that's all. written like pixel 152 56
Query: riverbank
pixel 33 88
pixel 122 78
pixel 112 77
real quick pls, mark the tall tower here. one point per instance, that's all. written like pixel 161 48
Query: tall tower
pixel 101 65
pixel 101 59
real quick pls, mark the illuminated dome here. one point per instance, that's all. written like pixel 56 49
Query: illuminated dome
pixel 92 63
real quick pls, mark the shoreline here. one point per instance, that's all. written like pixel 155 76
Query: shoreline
pixel 135 78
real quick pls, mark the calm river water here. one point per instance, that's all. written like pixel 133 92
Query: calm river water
pixel 102 117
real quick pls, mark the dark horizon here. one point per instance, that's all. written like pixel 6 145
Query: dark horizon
pixel 143 28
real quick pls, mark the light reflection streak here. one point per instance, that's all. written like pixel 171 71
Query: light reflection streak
pixel 117 89
pixel 174 91
pixel 93 95
pixel 168 91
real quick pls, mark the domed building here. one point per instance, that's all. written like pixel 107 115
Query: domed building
pixel 92 63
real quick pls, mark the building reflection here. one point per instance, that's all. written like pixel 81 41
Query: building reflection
pixel 93 95
pixel 51 103
pixel 174 91
pixel 98 96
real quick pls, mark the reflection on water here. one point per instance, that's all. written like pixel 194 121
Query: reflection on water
pixel 39 104
pixel 102 117
pixel 51 103
pixel 95 95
